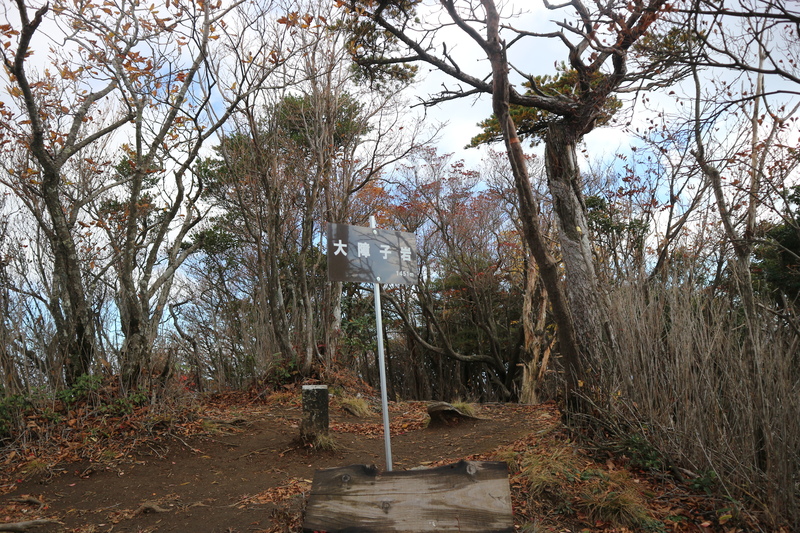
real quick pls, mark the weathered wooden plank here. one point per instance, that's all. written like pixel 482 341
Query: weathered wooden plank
pixel 469 496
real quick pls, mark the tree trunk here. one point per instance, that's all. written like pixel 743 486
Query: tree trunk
pixel 12 384
pixel 529 209
pixel 534 315
pixel 80 348
pixel 135 355
pixel 333 330
pixel 564 182
pixel 271 288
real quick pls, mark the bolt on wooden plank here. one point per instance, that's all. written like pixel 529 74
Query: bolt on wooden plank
pixel 468 496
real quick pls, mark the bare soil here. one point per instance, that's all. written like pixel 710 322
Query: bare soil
pixel 246 472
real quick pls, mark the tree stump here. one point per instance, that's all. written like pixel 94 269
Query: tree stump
pixel 315 412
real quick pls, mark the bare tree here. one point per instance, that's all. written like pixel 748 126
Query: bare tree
pixel 294 161
pixel 150 80
pixel 467 244
pixel 597 38
pixel 51 145
pixel 758 36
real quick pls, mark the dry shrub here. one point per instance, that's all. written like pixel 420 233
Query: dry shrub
pixel 358 407
pixel 713 395
pixel 613 497
pixel 547 475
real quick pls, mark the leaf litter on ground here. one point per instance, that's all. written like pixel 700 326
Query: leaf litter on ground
pixel 556 485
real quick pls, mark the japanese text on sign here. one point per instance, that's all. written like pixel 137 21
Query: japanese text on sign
pixel 371 255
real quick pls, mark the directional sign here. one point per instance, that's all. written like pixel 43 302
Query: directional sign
pixel 369 255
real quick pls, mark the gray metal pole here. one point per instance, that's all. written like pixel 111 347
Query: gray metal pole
pixel 382 370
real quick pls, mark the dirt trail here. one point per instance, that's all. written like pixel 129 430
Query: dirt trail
pixel 247 473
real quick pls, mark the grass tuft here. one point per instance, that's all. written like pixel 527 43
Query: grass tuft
pixel 510 457
pixel 547 474
pixel 325 443
pixel 466 408
pixel 613 498
pixel 283 398
pixel 356 406
pixel 35 467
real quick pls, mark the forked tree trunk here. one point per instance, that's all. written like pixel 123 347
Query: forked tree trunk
pixel 135 356
pixel 576 310
pixel 78 333
pixel 79 351
pixel 529 209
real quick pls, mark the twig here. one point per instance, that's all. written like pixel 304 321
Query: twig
pixel 287 450
pixel 195 450
pixel 25 526
pixel 260 450
pixel 149 507
pixel 222 441
pixel 28 499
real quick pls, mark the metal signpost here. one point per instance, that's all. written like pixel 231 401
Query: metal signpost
pixel 370 255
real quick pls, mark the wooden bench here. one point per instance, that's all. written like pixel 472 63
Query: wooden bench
pixel 468 496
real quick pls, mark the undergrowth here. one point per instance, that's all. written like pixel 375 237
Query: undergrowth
pixel 556 481
pixel 621 485
pixel 91 420
pixel 356 406
pixel 713 391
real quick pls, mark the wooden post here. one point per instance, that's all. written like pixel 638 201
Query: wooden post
pixel 315 412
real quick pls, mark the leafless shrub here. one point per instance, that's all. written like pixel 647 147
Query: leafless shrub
pixel 711 394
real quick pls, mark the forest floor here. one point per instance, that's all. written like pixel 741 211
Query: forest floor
pixel 236 465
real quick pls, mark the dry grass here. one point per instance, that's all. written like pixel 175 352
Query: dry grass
pixel 324 442
pixel 283 398
pixel 356 406
pixel 510 457
pixel 613 497
pixel 464 407
pixel 711 394
pixel 35 468
pixel 558 479
pixel 546 474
